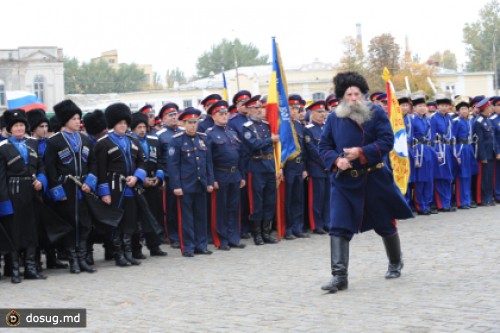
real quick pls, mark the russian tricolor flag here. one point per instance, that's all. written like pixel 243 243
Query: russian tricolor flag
pixel 23 100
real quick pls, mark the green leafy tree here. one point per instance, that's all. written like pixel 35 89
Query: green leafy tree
pixel 353 57
pixel 383 51
pixel 480 37
pixel 129 77
pixel 175 75
pixel 229 55
pixel 71 72
pixel 446 60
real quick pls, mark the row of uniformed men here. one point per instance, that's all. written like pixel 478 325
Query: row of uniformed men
pixel 189 163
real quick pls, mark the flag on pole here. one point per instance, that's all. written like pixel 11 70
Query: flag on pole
pixel 224 90
pixel 23 100
pixel 278 116
pixel 278 113
pixel 399 154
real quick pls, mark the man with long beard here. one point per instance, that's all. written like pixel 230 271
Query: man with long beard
pixel 355 141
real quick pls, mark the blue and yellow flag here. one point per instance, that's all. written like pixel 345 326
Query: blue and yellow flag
pixel 399 154
pixel 224 90
pixel 278 113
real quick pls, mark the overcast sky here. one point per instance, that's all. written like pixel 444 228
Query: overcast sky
pixel 170 34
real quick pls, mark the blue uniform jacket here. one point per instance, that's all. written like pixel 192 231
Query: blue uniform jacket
pixel 235 123
pixel 294 167
pixel 495 119
pixel 441 132
pixel 483 128
pixel 190 163
pixel 225 150
pixel 314 164
pixel 422 151
pixel 371 200
pixel 206 124
pixel 257 137
pixel 165 136
pixel 462 130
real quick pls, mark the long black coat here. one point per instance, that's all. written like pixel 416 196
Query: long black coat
pixel 17 195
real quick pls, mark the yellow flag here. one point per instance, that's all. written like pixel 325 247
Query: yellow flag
pixel 399 154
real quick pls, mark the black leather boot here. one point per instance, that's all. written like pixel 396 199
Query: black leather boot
pixel 74 265
pixel 339 248
pixel 82 259
pixel 30 271
pixel 393 250
pixel 52 261
pixel 15 276
pixel 118 252
pixel 257 232
pixel 90 254
pixel 266 233
pixel 7 268
pixel 38 260
pixel 127 250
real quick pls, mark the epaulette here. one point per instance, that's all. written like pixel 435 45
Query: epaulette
pixel 152 137
pixel 4 142
pixel 248 123
pixel 160 132
pixel 309 125
pixel 456 119
pixel 201 133
pixel 234 115
pixel 494 116
pixel 265 122
pixel 104 137
pixel 210 129
pixel 178 134
pixel 479 119
pixel 31 138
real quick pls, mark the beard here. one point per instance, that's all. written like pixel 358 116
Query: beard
pixel 359 111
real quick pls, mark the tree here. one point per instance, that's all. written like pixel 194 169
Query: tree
pixel 446 60
pixel 175 75
pixel 129 77
pixel 417 75
pixel 71 67
pixel 383 51
pixel 229 55
pixel 480 37
pixel 353 58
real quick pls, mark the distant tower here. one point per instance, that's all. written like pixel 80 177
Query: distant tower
pixel 358 34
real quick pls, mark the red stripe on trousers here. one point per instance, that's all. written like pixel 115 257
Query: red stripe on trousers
pixel 250 196
pixel 179 219
pixel 213 219
pixel 438 198
pixel 457 192
pixel 311 203
pixel 478 183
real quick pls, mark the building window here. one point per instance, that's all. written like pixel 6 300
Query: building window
pixel 318 96
pixel 39 87
pixel 2 93
pixel 187 103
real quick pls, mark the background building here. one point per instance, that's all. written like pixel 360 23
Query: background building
pixel 39 70
pixel 111 57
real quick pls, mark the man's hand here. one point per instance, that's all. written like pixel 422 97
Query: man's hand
pixel 37 185
pixel 216 185
pixel 484 161
pixel 352 153
pixel 304 174
pixel 210 188
pixel 106 199
pixel 86 188
pixel 275 138
pixel 243 183
pixel 178 192
pixel 131 180
pixel 459 160
pixel 343 163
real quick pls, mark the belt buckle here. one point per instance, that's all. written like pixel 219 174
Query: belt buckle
pixel 298 160
pixel 233 169
pixel 354 173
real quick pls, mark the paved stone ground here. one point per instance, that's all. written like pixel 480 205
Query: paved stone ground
pixel 450 283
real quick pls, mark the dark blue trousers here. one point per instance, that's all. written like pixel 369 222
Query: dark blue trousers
pixel 262 196
pixel 319 202
pixel 193 224
pixel 294 204
pixel 226 213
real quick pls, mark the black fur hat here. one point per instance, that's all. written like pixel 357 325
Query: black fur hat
pixel 116 113
pixel 15 116
pixel 54 124
pixel 36 117
pixel 65 110
pixel 138 118
pixel 94 122
pixel 343 81
pixel 2 122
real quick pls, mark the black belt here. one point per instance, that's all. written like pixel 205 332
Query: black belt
pixel 463 141
pixel 263 157
pixel 446 142
pixel 355 173
pixel 232 169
